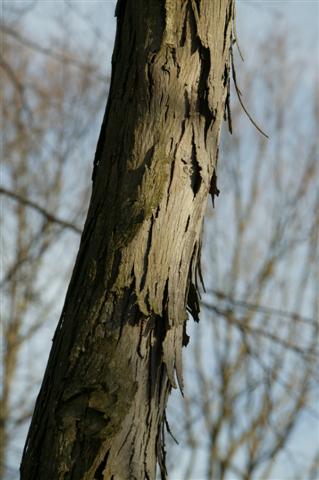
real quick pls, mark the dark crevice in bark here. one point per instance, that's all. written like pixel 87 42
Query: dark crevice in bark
pixel 203 89
pixel 184 30
pixel 147 251
pixel 147 302
pixel 156 213
pixel 161 99
pixel 99 471
pixel 170 180
pixel 193 305
pixel 196 178
pixel 165 300
pixel 193 27
pixel 187 104
pixel 197 3
pixel 187 223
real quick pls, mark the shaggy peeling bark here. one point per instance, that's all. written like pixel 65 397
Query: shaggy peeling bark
pixel 100 413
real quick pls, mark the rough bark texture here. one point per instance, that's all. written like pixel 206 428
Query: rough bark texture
pixel 100 413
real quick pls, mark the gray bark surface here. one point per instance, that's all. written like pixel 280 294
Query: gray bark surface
pixel 117 350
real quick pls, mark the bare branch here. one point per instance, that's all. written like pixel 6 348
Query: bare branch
pixel 49 216
pixel 239 94
pixel 59 56
pixel 260 308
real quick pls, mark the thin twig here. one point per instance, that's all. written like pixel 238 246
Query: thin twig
pixel 239 96
pixel 49 216
pixel 59 56
pixel 235 38
pixel 305 352
pixel 261 308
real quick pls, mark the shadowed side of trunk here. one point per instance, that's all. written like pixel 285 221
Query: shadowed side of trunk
pixel 117 350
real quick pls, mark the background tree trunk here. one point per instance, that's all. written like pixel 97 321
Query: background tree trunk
pixel 101 409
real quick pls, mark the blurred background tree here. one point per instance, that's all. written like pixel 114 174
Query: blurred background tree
pixel 251 368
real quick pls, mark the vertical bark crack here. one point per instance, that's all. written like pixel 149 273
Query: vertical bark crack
pixel 170 180
pixel 147 251
pixel 99 473
pixel 187 105
pixel 203 89
pixel 196 178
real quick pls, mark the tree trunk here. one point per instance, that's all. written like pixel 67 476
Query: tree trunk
pixel 100 413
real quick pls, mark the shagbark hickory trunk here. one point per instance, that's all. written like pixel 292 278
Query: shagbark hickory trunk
pixel 116 352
